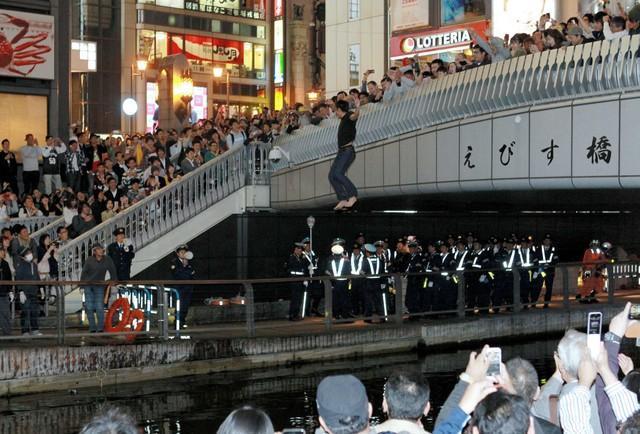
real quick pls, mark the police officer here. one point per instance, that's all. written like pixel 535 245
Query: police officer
pixel 339 267
pixel 447 289
pixel 315 286
pixel 297 267
pixel 527 260
pixel 430 282
pixel 506 260
pixel 547 260
pixel 121 253
pixel 373 285
pixel 461 258
pixel 357 286
pixel 478 280
pixel 181 269
pixel 415 292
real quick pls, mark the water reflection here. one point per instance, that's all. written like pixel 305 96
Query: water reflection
pixel 198 405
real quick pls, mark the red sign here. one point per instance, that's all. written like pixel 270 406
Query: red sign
pixel 278 8
pixel 435 41
pixel 207 49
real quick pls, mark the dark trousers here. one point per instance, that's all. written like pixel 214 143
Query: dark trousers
pixel 316 288
pixel 480 293
pixel 503 293
pixel 357 296
pixel 342 185
pixel 526 287
pixel 548 283
pixel 73 180
pixel 340 299
pixel 413 300
pixel 5 315
pixel 186 293
pixel 30 313
pixel 373 297
pixel 297 294
pixel 31 180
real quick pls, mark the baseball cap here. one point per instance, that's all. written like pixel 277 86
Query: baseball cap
pixel 343 404
pixel 575 31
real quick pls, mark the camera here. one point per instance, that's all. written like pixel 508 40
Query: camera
pixel 277 153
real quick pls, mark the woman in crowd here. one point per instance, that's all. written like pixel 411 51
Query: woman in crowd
pixel 29 208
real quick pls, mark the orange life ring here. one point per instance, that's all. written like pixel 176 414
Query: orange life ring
pixel 136 315
pixel 120 303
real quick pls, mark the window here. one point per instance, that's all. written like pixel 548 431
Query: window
pixel 354 9
pixel 354 65
pixel 462 11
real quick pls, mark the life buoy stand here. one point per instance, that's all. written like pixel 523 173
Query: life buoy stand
pixel 136 316
pixel 119 304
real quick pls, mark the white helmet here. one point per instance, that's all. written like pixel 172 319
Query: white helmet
pixel 606 245
pixel 337 249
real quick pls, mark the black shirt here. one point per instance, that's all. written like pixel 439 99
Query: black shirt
pixel 346 131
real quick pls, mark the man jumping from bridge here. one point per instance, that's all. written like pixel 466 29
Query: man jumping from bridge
pixel 344 188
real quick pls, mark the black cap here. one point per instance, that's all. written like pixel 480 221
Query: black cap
pixel 360 234
pixel 356 246
pixel 340 398
pixel 119 231
pixel 338 240
pixel 547 237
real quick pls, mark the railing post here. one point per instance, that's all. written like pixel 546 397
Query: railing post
pixel 163 312
pixel 60 315
pixel 399 294
pixel 328 304
pixel 565 288
pixel 461 294
pixel 611 284
pixel 251 311
pixel 517 305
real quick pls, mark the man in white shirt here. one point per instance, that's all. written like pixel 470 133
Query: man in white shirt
pixel 30 153
pixel 614 28
pixel 236 136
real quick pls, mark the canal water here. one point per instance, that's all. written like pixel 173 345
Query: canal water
pixel 198 405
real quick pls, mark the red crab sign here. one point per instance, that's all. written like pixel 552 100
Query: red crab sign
pixel 26 45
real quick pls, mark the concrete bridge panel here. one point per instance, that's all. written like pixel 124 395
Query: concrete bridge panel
pixel 630 143
pixel 447 157
pixel 391 164
pixel 475 156
pixel 550 148
pixel 409 165
pixel 323 187
pixel 427 163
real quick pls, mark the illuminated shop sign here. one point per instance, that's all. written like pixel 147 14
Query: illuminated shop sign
pixel 436 41
pixel 207 49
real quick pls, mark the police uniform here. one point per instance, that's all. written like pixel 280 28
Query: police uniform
pixel 547 260
pixel 181 269
pixel 430 282
pixel 296 267
pixel 339 267
pixel 315 287
pixel 415 291
pixel 506 260
pixel 527 260
pixel 373 303
pixel 122 255
pixel 461 260
pixel 447 289
pixel 479 281
pixel 357 286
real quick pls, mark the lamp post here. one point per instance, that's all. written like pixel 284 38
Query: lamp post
pixel 218 71
pixel 311 221
pixel 140 65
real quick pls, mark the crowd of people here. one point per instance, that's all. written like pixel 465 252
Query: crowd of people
pixel 433 272
pixel 585 395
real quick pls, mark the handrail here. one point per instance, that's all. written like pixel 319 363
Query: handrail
pixel 32 223
pixel 173 205
pixel 50 229
pixel 550 76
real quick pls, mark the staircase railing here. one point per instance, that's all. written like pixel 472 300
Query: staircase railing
pixel 32 223
pixel 173 205
pixel 598 68
pixel 49 229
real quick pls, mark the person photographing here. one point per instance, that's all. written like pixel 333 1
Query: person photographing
pixel 344 188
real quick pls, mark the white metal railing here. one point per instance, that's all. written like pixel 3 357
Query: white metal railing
pixel 32 223
pixel 50 229
pixel 173 205
pixel 583 71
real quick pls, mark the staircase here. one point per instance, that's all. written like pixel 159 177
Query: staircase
pixel 232 183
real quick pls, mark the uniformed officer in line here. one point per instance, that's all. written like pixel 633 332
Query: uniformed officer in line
pixel 451 243
pixel 390 253
pixel 373 301
pixel 357 286
pixel 181 269
pixel 470 239
pixel 447 289
pixel 415 292
pixel 297 267
pixel 401 260
pixel 547 260
pixel 315 288
pixel 121 253
pixel 527 260
pixel 387 282
pixel 339 267
pixel 430 282
pixel 479 280
pixel 360 239
pixel 461 258
pixel 506 260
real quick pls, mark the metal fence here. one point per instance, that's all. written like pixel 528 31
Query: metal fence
pixel 601 67
pixel 32 223
pixel 455 294
pixel 173 205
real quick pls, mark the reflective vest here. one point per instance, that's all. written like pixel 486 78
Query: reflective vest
pixel 509 265
pixel 526 259
pixel 375 271
pixel 547 259
pixel 336 268
pixel 356 267
pixel 460 266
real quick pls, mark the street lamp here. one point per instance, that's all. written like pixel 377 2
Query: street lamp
pixel 140 65
pixel 218 71
pixel 313 96
pixel 311 221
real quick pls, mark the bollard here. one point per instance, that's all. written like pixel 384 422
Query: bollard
pixel 251 322
pixel 399 295
pixel 328 304
pixel 517 305
pixel 565 288
pixel 461 295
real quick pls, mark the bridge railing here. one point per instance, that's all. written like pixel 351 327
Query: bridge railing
pixel 601 67
pixel 34 224
pixel 173 205
pixel 244 307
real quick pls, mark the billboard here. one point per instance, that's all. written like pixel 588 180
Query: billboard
pixel 409 14
pixel 199 104
pixel 26 45
pixel 207 49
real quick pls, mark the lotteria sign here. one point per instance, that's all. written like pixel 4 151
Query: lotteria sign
pixel 435 41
